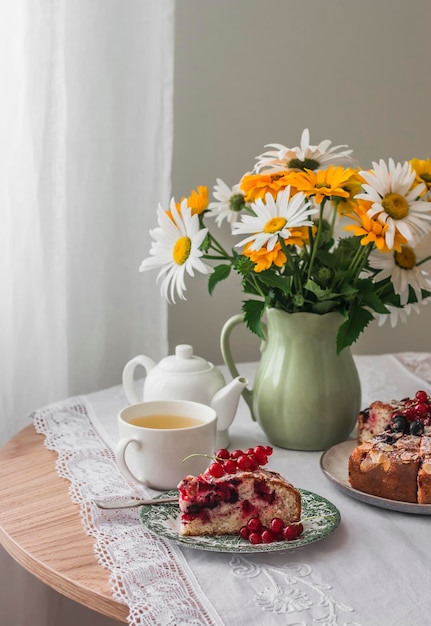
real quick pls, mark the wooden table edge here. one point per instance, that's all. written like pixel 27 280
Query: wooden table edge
pixel 17 457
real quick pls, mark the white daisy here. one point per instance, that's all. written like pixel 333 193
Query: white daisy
pixel 228 201
pixel 395 202
pixel 176 249
pixel 305 155
pixel 403 271
pixel 400 314
pixel 273 218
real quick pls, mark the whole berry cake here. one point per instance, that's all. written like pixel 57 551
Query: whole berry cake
pixel 393 458
pixel 234 489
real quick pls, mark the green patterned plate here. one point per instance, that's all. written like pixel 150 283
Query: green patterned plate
pixel 164 520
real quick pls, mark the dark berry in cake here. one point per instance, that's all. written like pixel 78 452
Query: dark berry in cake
pixel 417 428
pixel 400 424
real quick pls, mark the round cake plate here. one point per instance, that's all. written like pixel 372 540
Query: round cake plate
pixel 164 521
pixel 334 463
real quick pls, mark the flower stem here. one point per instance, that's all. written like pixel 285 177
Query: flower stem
pixel 316 240
pixel 423 261
pixel 217 247
pixel 252 280
pixel 334 215
pixel 358 261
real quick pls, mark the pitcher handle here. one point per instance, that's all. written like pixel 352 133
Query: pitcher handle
pixel 226 351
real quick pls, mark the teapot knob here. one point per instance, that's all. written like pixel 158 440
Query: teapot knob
pixel 184 351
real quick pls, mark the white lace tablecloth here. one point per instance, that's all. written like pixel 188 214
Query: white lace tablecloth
pixel 372 570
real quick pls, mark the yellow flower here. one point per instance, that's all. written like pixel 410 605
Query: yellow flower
pixel 324 183
pixel 197 200
pixel 422 168
pixel 300 236
pixel 353 186
pixel 371 230
pixel 265 258
pixel 256 186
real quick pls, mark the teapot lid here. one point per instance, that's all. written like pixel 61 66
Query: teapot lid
pixel 184 361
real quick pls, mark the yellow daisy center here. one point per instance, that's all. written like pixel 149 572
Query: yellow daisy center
pixel 406 258
pixel 395 205
pixel 181 250
pixel 274 225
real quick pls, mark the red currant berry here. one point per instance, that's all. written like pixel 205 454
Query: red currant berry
pixel 216 469
pixel 259 450
pixel 268 450
pixel 253 463
pixel 223 454
pixel 262 459
pixel 299 528
pixel 421 409
pixel 244 532
pixel 290 532
pixel 230 466
pixel 255 538
pixel 267 536
pixel 249 451
pixel 254 524
pixel 409 414
pixel 236 453
pixel 421 396
pixel 276 525
pixel 243 462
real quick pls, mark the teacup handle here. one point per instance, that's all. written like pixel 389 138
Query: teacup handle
pixel 129 384
pixel 226 351
pixel 120 455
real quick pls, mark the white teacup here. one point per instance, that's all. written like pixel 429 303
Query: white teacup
pixel 156 436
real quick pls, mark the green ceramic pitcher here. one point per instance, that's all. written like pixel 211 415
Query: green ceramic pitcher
pixel 304 396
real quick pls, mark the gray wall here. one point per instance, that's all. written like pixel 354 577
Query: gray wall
pixel 250 73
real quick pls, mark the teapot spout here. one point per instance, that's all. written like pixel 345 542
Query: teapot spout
pixel 225 403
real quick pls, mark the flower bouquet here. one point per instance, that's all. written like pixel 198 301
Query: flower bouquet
pixel 315 233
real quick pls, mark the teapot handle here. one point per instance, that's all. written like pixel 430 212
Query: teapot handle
pixel 226 351
pixel 129 385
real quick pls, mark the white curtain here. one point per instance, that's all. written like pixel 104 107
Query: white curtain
pixel 85 156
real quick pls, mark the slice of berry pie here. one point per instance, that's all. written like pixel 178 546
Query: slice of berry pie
pixel 234 489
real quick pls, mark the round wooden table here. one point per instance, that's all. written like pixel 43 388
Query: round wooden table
pixel 41 527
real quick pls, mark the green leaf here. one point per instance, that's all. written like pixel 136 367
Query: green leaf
pixel 366 285
pixel 253 311
pixel 321 294
pixel 374 302
pixel 347 290
pixel 221 272
pixel 412 295
pixel 349 331
pixel 270 279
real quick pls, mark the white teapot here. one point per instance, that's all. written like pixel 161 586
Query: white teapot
pixel 184 376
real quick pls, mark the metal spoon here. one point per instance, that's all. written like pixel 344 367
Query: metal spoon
pixel 122 503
